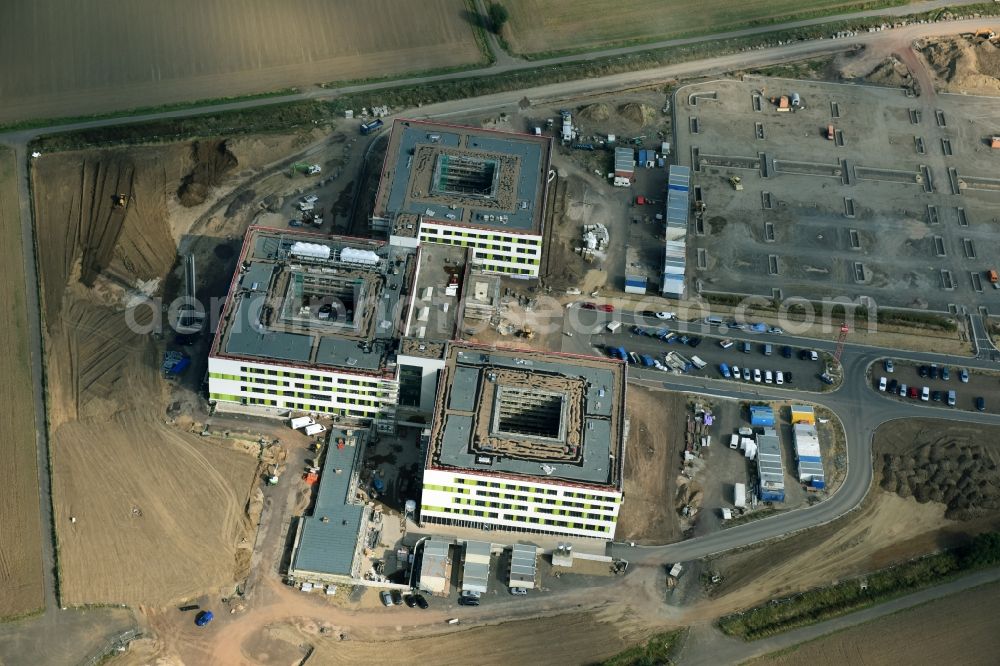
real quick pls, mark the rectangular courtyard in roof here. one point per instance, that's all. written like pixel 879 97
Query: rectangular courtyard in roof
pixel 529 414
pixel 464 176
pixel 312 300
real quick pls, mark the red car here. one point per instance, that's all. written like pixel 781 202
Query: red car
pixel 587 306
pixel 594 306
pixel 606 308
pixel 913 392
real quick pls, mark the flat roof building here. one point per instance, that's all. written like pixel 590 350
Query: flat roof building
pixel 476 567
pixel 523 565
pixel 435 566
pixel 311 323
pixel 769 467
pixel 528 441
pixel 677 206
pixel 468 187
pixel 808 455
pixel 327 544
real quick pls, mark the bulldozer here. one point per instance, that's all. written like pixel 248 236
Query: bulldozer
pixel 736 182
pixel 121 200
pixel 526 332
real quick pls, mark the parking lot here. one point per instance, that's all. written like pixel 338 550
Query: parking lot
pixel 899 205
pixel 746 355
pixel 980 385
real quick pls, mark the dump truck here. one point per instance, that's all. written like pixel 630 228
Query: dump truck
pixel 993 277
pixel 371 127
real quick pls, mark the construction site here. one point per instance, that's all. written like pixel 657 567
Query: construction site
pixel 839 192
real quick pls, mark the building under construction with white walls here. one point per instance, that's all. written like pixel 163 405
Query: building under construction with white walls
pixel 526 441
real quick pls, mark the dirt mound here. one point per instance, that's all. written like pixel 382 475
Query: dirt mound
pixel 959 474
pixel 965 64
pixel 212 161
pixel 890 72
pixel 595 112
pixel 637 113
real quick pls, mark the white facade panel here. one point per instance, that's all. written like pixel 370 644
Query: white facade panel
pixel 493 250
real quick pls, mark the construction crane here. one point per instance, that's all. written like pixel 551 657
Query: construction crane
pixel 844 330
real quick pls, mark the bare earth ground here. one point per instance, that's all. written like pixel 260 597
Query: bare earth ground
pixel 553 25
pixel 144 513
pixel 964 628
pixel 73 58
pixel 20 543
pixel 652 463
pixel 966 65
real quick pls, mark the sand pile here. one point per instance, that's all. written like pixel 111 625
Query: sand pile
pixel 595 112
pixel 890 72
pixel 212 161
pixel 637 113
pixel 965 64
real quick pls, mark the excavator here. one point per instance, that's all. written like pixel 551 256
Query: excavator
pixel 121 200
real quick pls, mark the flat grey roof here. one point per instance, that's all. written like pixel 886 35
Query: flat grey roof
pixel 394 195
pixel 523 563
pixel 602 410
pixel 434 563
pixel 330 535
pixel 769 465
pixel 260 290
pixel 476 573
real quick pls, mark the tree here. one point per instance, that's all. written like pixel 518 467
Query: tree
pixel 498 15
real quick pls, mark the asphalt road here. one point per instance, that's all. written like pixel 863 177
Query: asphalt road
pixel 865 414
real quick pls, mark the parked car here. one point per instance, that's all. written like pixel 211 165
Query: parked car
pixel 468 601
pixel 409 600
pixel 893 386
pixel 779 378
pixel 518 591
pixel 746 374
pixel 768 377
pixel 421 602
pixel 736 372
pixel 952 397
pixel 588 306
pixel 923 371
pixel 912 393
pixel 888 365
pixel 925 394
pixel 649 313
pixel 826 378
pixel 385 597
pixel 694 341
pixel 746 347
pixel 788 376
pixel 604 307
pixel 756 375
pixel 936 396
pixel 813 355
pixel 665 315
pixel 767 349
pixel 882 383
pixel 981 404
pixel 902 390
pixel 933 371
pixel 945 374
pixel 963 376
pixel 786 351
pixel 775 330
pixel 397 598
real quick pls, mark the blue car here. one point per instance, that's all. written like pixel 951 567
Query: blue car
pixel 203 618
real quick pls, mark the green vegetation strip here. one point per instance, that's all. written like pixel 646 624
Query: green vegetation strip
pixel 780 615
pixel 658 650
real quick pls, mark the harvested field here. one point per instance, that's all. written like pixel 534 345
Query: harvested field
pixel 71 58
pixel 652 464
pixel 20 542
pixel 145 513
pixel 962 629
pixel 541 26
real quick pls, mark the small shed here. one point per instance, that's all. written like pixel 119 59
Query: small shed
pixel 434 567
pixel 803 414
pixel 476 567
pixel 635 284
pixel 761 416
pixel 522 566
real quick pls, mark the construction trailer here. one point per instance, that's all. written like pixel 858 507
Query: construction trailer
pixel 435 567
pixel 476 567
pixel 761 416
pixel 770 469
pixel 523 559
pixel 803 414
pixel 675 255
pixel 807 453
pixel 624 163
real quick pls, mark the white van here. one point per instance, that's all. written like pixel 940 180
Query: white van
pixel 768 377
pixel 698 363
pixel 779 378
